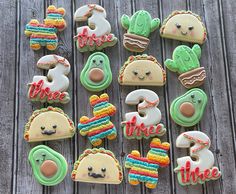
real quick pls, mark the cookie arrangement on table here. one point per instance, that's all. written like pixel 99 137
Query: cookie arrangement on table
pixel 99 165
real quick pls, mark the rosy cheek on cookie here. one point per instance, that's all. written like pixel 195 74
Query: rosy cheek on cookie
pixel 84 175
pixel 174 31
pixel 133 77
pixel 150 77
pixel 192 33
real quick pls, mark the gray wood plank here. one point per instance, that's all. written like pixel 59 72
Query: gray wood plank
pixel 7 96
pixel 25 182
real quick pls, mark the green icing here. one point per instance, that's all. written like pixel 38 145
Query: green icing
pixel 42 153
pixel 140 23
pixel 184 59
pixel 101 61
pixel 198 99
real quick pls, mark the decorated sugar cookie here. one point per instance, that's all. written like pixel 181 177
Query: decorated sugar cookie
pixel 49 167
pixel 142 70
pixel 97 166
pixel 184 26
pixel 51 88
pixel 187 110
pixel 138 26
pixel 145 169
pixel 186 63
pixel 96 74
pixel 46 34
pixel 99 126
pixel 191 172
pixel 97 35
pixel 47 124
pixel 136 126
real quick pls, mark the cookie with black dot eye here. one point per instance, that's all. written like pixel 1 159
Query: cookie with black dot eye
pixel 96 74
pixel 142 70
pixel 97 166
pixel 187 110
pixel 49 167
pixel 184 26
pixel 47 124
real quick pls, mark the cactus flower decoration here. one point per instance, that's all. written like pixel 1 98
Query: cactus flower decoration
pixel 139 26
pixel 186 63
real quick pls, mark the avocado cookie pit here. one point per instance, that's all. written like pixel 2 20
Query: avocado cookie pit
pixel 187 109
pixel 49 168
pixel 96 75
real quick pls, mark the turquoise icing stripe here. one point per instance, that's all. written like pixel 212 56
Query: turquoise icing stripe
pixel 136 163
pixel 39 40
pixel 103 134
pixel 158 150
pixel 101 105
pixel 143 178
pixel 93 124
pixel 41 29
pixel 54 15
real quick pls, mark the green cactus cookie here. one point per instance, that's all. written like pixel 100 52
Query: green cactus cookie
pixel 138 26
pixel 96 74
pixel 187 110
pixel 186 63
pixel 49 167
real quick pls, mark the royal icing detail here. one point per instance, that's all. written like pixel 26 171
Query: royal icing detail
pixel 46 34
pixel 96 74
pixel 190 172
pixel 184 26
pixel 96 35
pixel 138 127
pixel 51 88
pixel 47 124
pixel 186 63
pixel 99 126
pixel 97 166
pixel 187 110
pixel 145 169
pixel 138 26
pixel 49 167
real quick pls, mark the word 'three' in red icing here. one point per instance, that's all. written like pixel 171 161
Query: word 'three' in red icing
pixel 84 39
pixel 36 91
pixel 187 177
pixel 132 129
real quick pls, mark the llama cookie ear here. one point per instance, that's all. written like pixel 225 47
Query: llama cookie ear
pixel 49 167
pixel 184 26
pixel 97 35
pixel 97 166
pixel 142 70
pixel 47 124
pixel 200 170
pixel 99 126
pixel 136 126
pixel 145 169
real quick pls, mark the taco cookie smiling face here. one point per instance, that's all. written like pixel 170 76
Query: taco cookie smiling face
pixel 184 26
pixel 48 124
pixel 97 166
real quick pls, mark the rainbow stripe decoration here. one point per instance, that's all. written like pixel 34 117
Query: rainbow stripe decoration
pixel 145 169
pixel 45 34
pixel 99 126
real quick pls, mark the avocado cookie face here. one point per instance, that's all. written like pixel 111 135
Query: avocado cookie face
pixel 184 26
pixel 142 70
pixel 96 74
pixel 49 167
pixel 97 166
pixel 48 124
pixel 138 26
pixel 186 63
pixel 187 110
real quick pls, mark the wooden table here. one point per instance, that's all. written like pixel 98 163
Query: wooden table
pixel 18 66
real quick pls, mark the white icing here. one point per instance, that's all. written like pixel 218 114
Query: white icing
pixel 152 115
pixel 204 157
pixel 97 23
pixel 56 78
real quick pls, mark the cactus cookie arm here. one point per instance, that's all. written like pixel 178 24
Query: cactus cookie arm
pixel 125 21
pixel 155 24
pixel 197 50
pixel 171 65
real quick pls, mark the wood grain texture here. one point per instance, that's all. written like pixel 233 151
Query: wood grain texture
pixel 18 66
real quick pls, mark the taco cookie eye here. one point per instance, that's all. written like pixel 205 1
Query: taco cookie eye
pixel 178 25
pixel 135 72
pixel 103 169
pixel 190 28
pixel 42 127
pixel 90 168
pixel 148 73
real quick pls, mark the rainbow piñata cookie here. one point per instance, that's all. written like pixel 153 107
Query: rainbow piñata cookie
pixel 145 169
pixel 99 126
